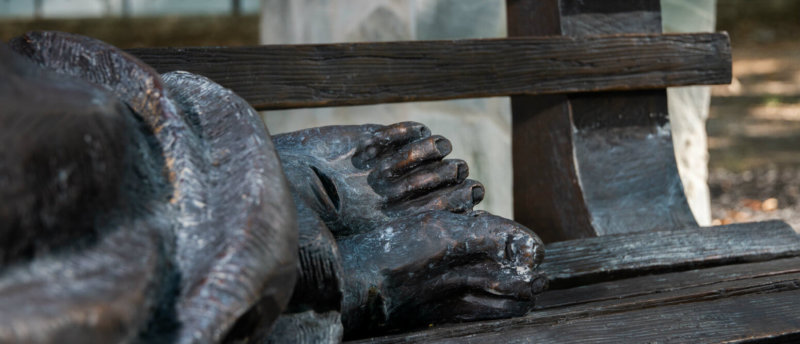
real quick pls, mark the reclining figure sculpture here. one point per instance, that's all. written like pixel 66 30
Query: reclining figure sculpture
pixel 139 207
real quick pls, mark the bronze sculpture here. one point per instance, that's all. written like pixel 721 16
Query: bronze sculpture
pixel 183 225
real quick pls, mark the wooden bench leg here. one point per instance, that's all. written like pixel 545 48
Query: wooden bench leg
pixel 593 164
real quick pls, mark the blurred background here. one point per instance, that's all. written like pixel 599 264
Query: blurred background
pixel 138 23
pixel 753 125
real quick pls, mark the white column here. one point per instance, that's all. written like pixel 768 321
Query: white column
pixel 688 108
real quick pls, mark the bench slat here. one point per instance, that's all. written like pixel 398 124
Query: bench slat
pixel 591 260
pixel 632 307
pixel 763 275
pixel 702 283
pixel 768 313
pixel 601 163
pixel 294 76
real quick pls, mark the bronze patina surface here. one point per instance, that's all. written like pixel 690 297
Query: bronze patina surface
pixel 157 208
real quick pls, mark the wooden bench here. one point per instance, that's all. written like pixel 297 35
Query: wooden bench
pixel 594 169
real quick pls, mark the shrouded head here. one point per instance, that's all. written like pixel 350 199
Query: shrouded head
pixel 62 143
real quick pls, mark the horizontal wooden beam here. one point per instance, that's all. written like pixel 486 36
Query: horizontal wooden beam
pixel 591 260
pixel 580 266
pixel 682 298
pixel 767 314
pixel 295 76
pixel 666 288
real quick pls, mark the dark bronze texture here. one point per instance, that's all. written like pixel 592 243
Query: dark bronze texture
pixel 162 202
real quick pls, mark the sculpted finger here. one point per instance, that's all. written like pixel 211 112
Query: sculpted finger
pixel 491 279
pixel 519 245
pixel 493 238
pixel 390 137
pixel 459 198
pixel 468 293
pixel 411 156
pixel 423 180
pixel 473 307
pixel 402 133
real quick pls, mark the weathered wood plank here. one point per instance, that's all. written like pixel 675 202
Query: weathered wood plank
pixel 654 292
pixel 547 191
pixel 290 76
pixel 769 313
pixel 752 318
pixel 568 181
pixel 644 297
pixel 592 260
pixel 653 287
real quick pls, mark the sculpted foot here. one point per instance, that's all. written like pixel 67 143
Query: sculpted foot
pixel 439 267
pixel 360 177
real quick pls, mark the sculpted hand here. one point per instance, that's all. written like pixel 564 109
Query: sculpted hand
pixel 439 267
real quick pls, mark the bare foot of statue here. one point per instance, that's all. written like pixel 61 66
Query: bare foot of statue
pixel 360 177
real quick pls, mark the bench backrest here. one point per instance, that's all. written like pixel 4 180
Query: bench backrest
pixel 584 76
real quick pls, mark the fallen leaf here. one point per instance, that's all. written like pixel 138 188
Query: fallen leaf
pixel 752 203
pixel 769 204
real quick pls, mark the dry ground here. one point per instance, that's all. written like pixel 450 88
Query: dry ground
pixel 754 128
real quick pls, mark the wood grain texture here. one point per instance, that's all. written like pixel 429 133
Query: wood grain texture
pixel 766 313
pixel 592 260
pixel 715 281
pixel 606 163
pixel 626 162
pixel 533 18
pixel 685 300
pixel 291 76
pixel 580 18
pixel 547 193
